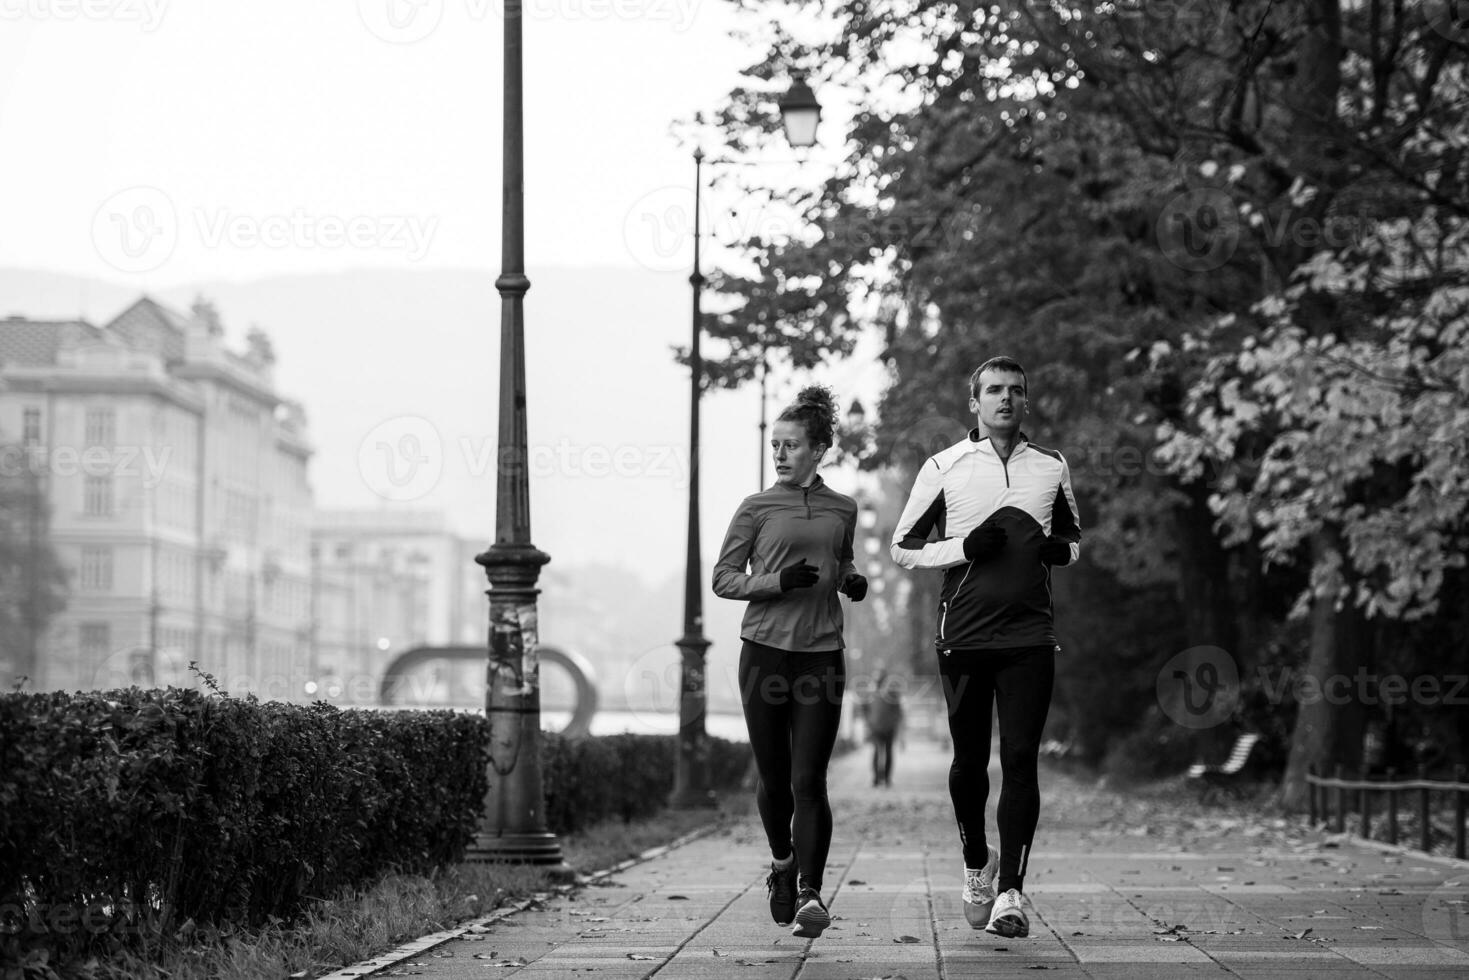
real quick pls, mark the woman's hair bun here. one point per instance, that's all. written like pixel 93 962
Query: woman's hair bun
pixel 817 396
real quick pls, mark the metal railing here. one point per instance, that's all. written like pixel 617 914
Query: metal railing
pixel 1324 790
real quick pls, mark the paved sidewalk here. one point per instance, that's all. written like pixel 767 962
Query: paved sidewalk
pixel 1115 893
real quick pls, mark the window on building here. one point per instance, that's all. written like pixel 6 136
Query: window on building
pixel 96 573
pixel 31 426
pixel 96 639
pixel 97 496
pixel 101 427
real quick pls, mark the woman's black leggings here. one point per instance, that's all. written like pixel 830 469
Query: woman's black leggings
pixel 793 706
pixel 1018 682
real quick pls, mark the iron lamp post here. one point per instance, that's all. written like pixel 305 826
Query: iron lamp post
pixel 513 824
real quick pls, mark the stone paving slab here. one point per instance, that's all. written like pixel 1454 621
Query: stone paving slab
pixel 1106 903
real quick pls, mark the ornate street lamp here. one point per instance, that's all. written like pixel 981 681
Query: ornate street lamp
pixel 513 826
pixel 799 112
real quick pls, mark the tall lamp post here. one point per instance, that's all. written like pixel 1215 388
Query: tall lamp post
pixel 800 113
pixel 513 825
pixel 764 370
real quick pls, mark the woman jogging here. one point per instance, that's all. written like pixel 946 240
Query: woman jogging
pixel 788 552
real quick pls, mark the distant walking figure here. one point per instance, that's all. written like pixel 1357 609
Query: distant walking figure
pixel 1003 513
pixel 884 714
pixel 788 552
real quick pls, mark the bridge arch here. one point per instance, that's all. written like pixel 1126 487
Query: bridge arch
pixel 583 676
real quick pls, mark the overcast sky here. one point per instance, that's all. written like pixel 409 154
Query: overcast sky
pixel 274 136
pixel 157 143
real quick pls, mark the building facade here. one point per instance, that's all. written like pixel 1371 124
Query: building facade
pixel 388 581
pixel 175 477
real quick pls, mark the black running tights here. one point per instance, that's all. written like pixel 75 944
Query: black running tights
pixel 793 706
pixel 1017 682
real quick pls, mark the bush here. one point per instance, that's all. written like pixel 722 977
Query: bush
pixel 141 810
pixel 624 776
pixel 126 814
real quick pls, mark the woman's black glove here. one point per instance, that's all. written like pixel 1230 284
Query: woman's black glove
pixel 984 542
pixel 1054 551
pixel 798 576
pixel 854 587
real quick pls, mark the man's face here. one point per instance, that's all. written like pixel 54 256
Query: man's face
pixel 1001 404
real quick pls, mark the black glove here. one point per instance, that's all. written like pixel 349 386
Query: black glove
pixel 1054 551
pixel 798 576
pixel 854 587
pixel 984 542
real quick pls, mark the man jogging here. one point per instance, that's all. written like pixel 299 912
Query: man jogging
pixel 1001 513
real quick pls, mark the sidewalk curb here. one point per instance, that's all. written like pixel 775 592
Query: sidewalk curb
pixel 1397 849
pixel 423 944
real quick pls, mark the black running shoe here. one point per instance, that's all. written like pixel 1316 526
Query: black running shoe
pixel 812 918
pixel 781 885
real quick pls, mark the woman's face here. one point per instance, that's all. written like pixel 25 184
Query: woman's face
pixel 795 456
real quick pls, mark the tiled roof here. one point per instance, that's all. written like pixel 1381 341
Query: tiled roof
pixel 33 343
pixel 150 325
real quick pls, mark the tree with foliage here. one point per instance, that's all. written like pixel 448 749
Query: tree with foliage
pixel 32 579
pixel 1073 185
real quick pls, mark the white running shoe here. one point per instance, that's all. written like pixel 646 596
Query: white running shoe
pixel 979 890
pixel 1008 918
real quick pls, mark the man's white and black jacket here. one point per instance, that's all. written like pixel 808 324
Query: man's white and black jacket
pixel 1005 601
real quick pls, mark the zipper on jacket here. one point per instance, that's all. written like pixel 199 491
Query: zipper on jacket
pixel 944 605
pixel 806 494
pixel 1005 465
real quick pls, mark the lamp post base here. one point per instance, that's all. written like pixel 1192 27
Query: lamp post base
pixel 541 850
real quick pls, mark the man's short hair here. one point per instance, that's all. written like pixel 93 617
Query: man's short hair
pixel 1001 363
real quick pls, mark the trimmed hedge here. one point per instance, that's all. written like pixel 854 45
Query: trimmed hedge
pixel 579 791
pixel 125 814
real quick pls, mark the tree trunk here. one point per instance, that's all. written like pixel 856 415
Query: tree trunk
pixel 1331 714
pixel 1203 575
